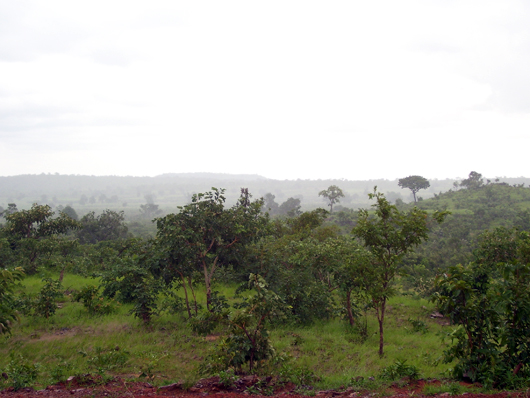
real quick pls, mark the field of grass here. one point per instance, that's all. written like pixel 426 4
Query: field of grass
pixel 72 343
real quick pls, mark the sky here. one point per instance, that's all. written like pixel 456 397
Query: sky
pixel 284 89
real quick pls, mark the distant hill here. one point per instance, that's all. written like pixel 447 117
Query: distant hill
pixel 473 211
pixel 216 176
pixel 96 193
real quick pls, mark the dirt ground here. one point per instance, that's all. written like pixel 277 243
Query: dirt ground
pixel 92 387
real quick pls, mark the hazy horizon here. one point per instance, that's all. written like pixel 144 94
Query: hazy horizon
pixel 246 176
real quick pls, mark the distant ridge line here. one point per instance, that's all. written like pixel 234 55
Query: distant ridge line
pixel 217 176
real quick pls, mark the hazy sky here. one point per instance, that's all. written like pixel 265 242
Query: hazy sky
pixel 285 89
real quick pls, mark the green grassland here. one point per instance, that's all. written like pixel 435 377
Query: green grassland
pixel 74 343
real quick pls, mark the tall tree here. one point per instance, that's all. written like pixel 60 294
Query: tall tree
pixel 269 204
pixel 414 183
pixel 333 195
pixel 473 181
pixel 389 235
pixel 291 207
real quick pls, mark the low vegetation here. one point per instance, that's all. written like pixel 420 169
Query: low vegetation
pixel 312 298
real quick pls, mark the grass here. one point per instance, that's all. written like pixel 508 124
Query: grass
pixel 168 351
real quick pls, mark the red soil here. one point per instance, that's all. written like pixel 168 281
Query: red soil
pixel 90 387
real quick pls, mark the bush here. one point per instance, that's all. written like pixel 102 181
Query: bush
pixel 94 303
pixel 400 369
pixel 248 341
pixel 45 303
pixel 106 359
pixel 20 373
pixel 489 301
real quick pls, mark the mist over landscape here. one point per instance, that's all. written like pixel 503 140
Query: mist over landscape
pixel 314 198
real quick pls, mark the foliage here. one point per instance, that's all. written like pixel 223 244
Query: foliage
pixel 290 208
pixel 248 338
pixel 227 377
pixel 418 326
pixel 109 225
pixel 269 204
pixel 489 302
pixel 149 211
pixel 106 359
pixel 205 235
pixel 45 303
pixel 389 236
pixel 29 231
pixel 400 369
pixel 20 373
pixel 132 281
pixel 414 183
pixel 70 212
pixel 37 223
pixel 61 371
pixel 94 303
pixel 8 311
pixel 149 363
pixel 333 195
pixel 473 181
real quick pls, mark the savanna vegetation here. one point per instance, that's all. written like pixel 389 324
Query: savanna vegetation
pixel 319 298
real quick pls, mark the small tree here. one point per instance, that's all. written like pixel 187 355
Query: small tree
pixel 389 236
pixel 333 195
pixel 248 339
pixel 414 183
pixel 204 234
pixel 109 225
pixel 29 233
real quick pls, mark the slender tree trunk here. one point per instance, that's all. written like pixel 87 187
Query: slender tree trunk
pixel 190 284
pixel 381 319
pixel 348 308
pixel 185 294
pixel 208 280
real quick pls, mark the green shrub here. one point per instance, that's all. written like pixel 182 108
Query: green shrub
pixel 45 303
pixel 61 371
pixel 21 373
pixel 94 303
pixel 418 326
pixel 400 369
pixel 248 341
pixel 106 359
pixel 489 301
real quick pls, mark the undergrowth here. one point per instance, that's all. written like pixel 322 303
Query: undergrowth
pixel 324 355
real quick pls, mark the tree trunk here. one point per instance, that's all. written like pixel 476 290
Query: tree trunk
pixel 208 280
pixel 348 308
pixel 381 319
pixel 186 295
pixel 190 284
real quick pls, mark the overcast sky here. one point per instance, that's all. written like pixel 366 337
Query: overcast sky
pixel 284 89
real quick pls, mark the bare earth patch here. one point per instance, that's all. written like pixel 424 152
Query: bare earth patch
pixel 92 387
